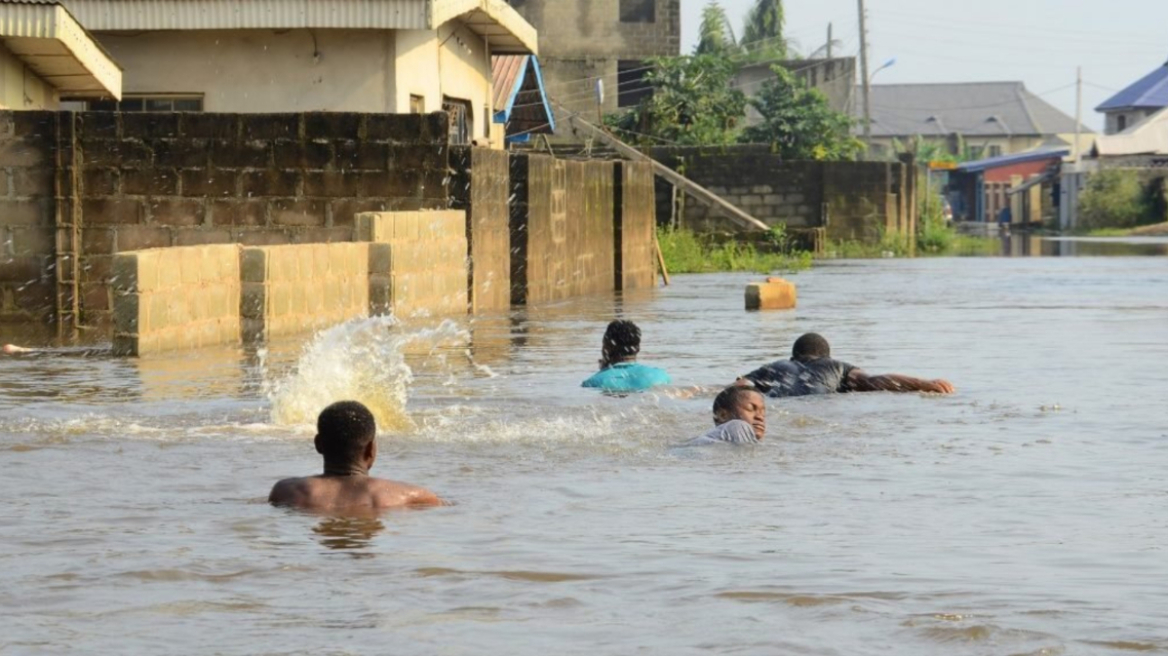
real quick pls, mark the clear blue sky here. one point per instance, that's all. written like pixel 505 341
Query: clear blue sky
pixel 1036 41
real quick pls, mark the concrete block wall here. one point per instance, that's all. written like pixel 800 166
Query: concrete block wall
pixel 27 217
pixel 176 298
pixel 418 261
pixel 634 226
pixel 482 187
pixel 852 200
pixel 301 287
pixel 176 179
pixel 562 236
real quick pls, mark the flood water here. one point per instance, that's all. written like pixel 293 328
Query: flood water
pixel 1027 514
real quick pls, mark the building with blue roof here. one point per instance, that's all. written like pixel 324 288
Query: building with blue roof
pixel 1137 101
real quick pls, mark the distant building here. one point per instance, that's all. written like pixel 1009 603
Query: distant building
pixel 1137 101
pixel 394 56
pixel 990 118
pixel 834 77
pixel 46 54
pixel 1015 189
pixel 583 41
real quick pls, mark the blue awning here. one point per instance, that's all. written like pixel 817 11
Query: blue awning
pixel 1010 160
pixel 521 100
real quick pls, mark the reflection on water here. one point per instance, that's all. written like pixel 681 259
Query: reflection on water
pixel 1025 515
pixel 1022 245
pixel 348 533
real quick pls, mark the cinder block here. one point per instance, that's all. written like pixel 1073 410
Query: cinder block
pixel 774 294
pixel 253 265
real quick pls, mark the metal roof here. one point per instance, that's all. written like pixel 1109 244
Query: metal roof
pixel 494 20
pixel 520 99
pixel 981 109
pixel 1015 158
pixel 57 49
pixel 1150 91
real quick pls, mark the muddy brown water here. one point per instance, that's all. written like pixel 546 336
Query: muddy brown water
pixel 1028 514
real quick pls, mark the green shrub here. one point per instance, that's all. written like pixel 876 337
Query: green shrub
pixel 1117 199
pixel 686 252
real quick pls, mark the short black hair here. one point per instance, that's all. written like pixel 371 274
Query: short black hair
pixel 810 346
pixel 728 398
pixel 622 339
pixel 345 428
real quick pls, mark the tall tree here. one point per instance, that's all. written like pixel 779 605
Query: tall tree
pixel 692 104
pixel 762 37
pixel 798 122
pixel 717 38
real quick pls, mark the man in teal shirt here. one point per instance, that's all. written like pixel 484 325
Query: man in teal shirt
pixel 619 371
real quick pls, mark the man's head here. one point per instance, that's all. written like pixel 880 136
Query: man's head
pixel 622 342
pixel 738 402
pixel 346 433
pixel 810 346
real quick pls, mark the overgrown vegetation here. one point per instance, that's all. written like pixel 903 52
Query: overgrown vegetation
pixel 1118 199
pixel 799 123
pixel 687 252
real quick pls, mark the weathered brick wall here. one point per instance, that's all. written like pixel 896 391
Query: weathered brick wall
pixel 424 268
pixel 750 177
pixel 482 186
pixel 175 298
pixel 27 219
pixel 853 200
pixel 634 226
pixel 561 228
pixel 296 288
pixel 176 179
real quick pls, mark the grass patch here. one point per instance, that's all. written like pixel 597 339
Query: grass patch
pixel 686 252
pixel 1109 232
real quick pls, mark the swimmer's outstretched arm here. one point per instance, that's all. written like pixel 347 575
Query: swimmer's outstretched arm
pixel 12 349
pixel 859 381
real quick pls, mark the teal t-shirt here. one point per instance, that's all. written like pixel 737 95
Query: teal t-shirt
pixel 628 377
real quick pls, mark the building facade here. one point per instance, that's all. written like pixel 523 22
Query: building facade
pixel 834 77
pixel 377 56
pixel 608 41
pixel 1136 102
pixel 969 119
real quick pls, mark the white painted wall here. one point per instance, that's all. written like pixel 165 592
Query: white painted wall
pixel 309 70
pixel 20 88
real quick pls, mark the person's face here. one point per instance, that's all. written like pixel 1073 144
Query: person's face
pixel 750 408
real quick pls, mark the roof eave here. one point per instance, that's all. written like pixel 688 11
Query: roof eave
pixel 57 48
pixel 494 20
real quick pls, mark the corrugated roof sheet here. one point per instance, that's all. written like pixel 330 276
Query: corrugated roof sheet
pixel 98 15
pixel 492 19
pixel 1150 90
pixel 969 108
pixel 1015 158
pixel 520 99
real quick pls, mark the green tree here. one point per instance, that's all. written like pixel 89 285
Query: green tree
pixel 692 104
pixel 798 122
pixel 762 38
pixel 717 37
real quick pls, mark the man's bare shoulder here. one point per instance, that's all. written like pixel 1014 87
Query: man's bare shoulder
pixel 290 491
pixel 391 494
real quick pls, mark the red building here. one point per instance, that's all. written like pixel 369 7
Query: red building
pixel 981 189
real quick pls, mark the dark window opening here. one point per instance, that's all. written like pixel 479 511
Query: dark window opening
pixel 1120 123
pixel 638 11
pixel 631 85
pixel 461 120
pixel 995 151
pixel 147 104
pixel 417 104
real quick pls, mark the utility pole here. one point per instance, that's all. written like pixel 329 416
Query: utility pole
pixel 829 40
pixel 1078 109
pixel 864 75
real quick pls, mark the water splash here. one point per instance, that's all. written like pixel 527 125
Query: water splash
pixel 361 360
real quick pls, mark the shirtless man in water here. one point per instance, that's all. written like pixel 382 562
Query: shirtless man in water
pixel 12 349
pixel 347 438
